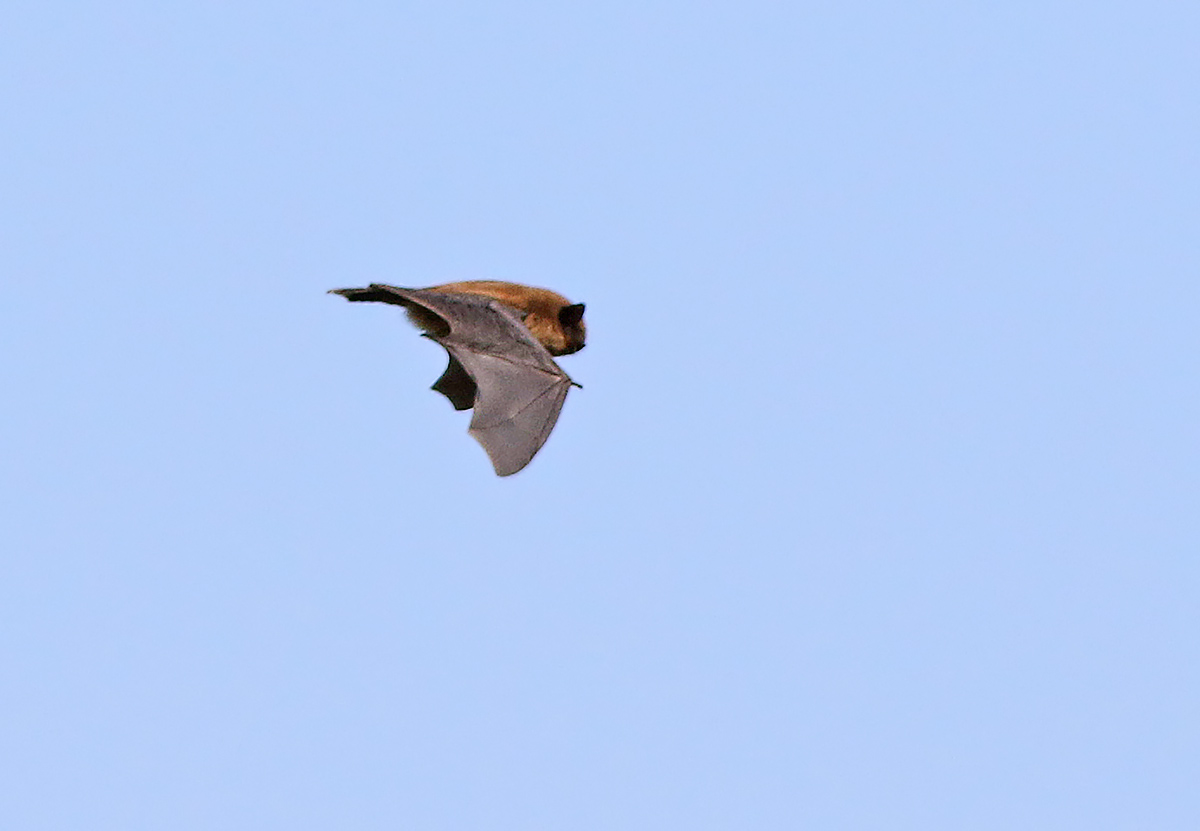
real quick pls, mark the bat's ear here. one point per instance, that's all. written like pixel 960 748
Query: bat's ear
pixel 570 315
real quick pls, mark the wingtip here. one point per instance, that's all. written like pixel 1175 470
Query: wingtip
pixel 505 469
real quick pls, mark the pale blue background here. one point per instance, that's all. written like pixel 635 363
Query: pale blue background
pixel 878 509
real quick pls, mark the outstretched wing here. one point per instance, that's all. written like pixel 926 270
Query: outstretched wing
pixel 496 366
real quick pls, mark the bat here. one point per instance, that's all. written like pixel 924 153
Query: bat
pixel 500 338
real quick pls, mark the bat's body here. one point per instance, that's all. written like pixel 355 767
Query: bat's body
pixel 549 317
pixel 500 337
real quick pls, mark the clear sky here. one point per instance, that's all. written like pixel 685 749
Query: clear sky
pixel 878 509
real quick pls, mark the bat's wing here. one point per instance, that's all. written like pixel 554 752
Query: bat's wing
pixel 496 366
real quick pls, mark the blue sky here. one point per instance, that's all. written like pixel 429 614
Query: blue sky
pixel 877 508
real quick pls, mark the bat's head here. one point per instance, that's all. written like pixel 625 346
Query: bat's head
pixel 570 318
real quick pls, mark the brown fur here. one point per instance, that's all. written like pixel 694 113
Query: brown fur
pixel 540 308
pixel 426 320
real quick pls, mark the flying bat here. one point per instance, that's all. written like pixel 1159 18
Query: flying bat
pixel 500 338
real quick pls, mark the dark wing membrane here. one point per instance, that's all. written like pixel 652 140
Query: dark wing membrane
pixel 419 312
pixel 457 385
pixel 374 293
